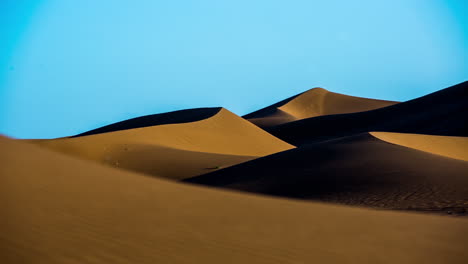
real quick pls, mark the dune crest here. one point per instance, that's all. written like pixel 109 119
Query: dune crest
pixel 452 147
pixel 439 113
pixel 166 149
pixel 312 103
pixel 174 117
pixel 59 209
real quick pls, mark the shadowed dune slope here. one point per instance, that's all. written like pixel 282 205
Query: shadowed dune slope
pixel 452 147
pixel 314 102
pixel 440 113
pixel 181 116
pixel 357 170
pixel 59 209
pixel 175 150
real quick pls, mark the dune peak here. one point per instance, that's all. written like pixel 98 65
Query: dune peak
pixel 172 148
pixel 312 103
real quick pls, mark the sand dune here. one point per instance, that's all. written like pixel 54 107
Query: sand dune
pixel 175 150
pixel 439 113
pixel 357 170
pixel 59 209
pixel 452 147
pixel 312 103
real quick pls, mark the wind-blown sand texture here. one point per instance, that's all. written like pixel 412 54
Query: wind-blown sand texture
pixel 357 170
pixel 295 182
pixel 58 209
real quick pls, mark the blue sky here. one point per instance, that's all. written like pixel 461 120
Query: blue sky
pixel 70 66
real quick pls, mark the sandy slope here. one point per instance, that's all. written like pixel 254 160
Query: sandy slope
pixel 175 150
pixel 439 113
pixel 58 209
pixel 357 170
pixel 452 147
pixel 312 103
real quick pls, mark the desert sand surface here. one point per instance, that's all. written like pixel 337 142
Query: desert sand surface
pixel 452 147
pixel 312 103
pixel 154 146
pixel 358 170
pixel 440 113
pixel 60 209
pixel 316 178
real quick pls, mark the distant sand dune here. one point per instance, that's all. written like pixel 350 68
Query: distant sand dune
pixel 452 147
pixel 59 209
pixel 439 113
pixel 175 150
pixel 312 103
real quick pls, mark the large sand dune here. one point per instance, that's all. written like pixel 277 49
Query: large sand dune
pixel 312 103
pixel 440 113
pixel 59 209
pixel 357 170
pixel 177 150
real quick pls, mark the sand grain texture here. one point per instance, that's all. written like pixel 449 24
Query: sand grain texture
pixel 356 170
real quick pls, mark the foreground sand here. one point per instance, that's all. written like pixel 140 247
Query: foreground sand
pixel 178 150
pixel 59 209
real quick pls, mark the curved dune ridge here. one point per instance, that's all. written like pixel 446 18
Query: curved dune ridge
pixel 175 150
pixel 440 113
pixel 452 147
pixel 312 103
pixel 59 209
pixel 357 170
pixel 174 117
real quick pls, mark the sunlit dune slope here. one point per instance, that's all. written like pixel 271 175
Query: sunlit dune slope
pixel 452 147
pixel 175 150
pixel 440 113
pixel 59 209
pixel 357 170
pixel 314 102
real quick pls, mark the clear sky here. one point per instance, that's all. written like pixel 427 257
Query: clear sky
pixel 68 66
